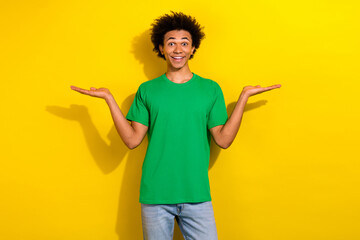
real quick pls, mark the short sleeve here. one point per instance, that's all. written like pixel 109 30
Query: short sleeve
pixel 218 114
pixel 138 111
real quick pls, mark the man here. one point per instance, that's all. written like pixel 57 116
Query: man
pixel 179 111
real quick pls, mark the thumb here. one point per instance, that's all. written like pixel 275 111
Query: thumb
pixel 92 88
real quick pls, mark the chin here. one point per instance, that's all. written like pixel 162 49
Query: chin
pixel 177 66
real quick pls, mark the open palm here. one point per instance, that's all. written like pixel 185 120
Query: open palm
pixel 94 92
pixel 253 90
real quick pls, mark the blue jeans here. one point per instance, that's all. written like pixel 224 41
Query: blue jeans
pixel 196 221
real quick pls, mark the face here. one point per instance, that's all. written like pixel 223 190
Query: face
pixel 177 48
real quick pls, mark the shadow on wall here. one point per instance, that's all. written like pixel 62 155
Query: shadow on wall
pixel 109 156
pixel 153 66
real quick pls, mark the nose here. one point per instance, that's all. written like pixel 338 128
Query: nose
pixel 177 49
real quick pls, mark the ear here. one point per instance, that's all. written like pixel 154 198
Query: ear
pixel 161 49
pixel 192 50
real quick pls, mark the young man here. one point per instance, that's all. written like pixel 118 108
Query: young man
pixel 179 111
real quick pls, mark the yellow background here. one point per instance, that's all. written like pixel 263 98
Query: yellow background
pixel 291 173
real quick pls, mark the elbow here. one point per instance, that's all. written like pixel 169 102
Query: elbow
pixel 133 142
pixel 222 139
pixel 224 145
pixel 132 145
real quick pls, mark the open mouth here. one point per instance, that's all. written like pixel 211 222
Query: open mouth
pixel 178 59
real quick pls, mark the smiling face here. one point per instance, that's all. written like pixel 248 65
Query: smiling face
pixel 177 48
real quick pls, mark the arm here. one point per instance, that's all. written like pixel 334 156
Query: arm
pixel 224 135
pixel 132 135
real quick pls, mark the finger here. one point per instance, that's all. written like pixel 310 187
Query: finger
pixel 76 88
pixel 92 88
pixel 80 90
pixel 272 87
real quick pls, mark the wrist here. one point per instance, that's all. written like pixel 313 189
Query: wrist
pixel 108 98
pixel 243 97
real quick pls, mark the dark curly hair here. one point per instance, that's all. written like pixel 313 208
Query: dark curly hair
pixel 175 21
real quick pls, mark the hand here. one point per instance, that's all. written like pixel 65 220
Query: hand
pixel 253 90
pixel 94 92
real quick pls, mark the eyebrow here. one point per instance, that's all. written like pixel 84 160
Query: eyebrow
pixel 175 38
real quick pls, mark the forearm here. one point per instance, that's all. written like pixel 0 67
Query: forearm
pixel 124 129
pixel 229 130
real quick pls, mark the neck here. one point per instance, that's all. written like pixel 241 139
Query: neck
pixel 179 75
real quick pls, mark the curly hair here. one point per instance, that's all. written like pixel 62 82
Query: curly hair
pixel 175 21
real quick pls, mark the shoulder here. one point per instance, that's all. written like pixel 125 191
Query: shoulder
pixel 208 82
pixel 149 84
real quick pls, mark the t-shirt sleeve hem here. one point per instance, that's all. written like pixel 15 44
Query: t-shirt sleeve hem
pixel 217 124
pixel 143 122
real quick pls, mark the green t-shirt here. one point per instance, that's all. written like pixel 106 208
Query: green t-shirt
pixel 175 168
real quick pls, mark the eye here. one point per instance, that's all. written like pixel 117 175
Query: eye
pixel 184 44
pixel 171 44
